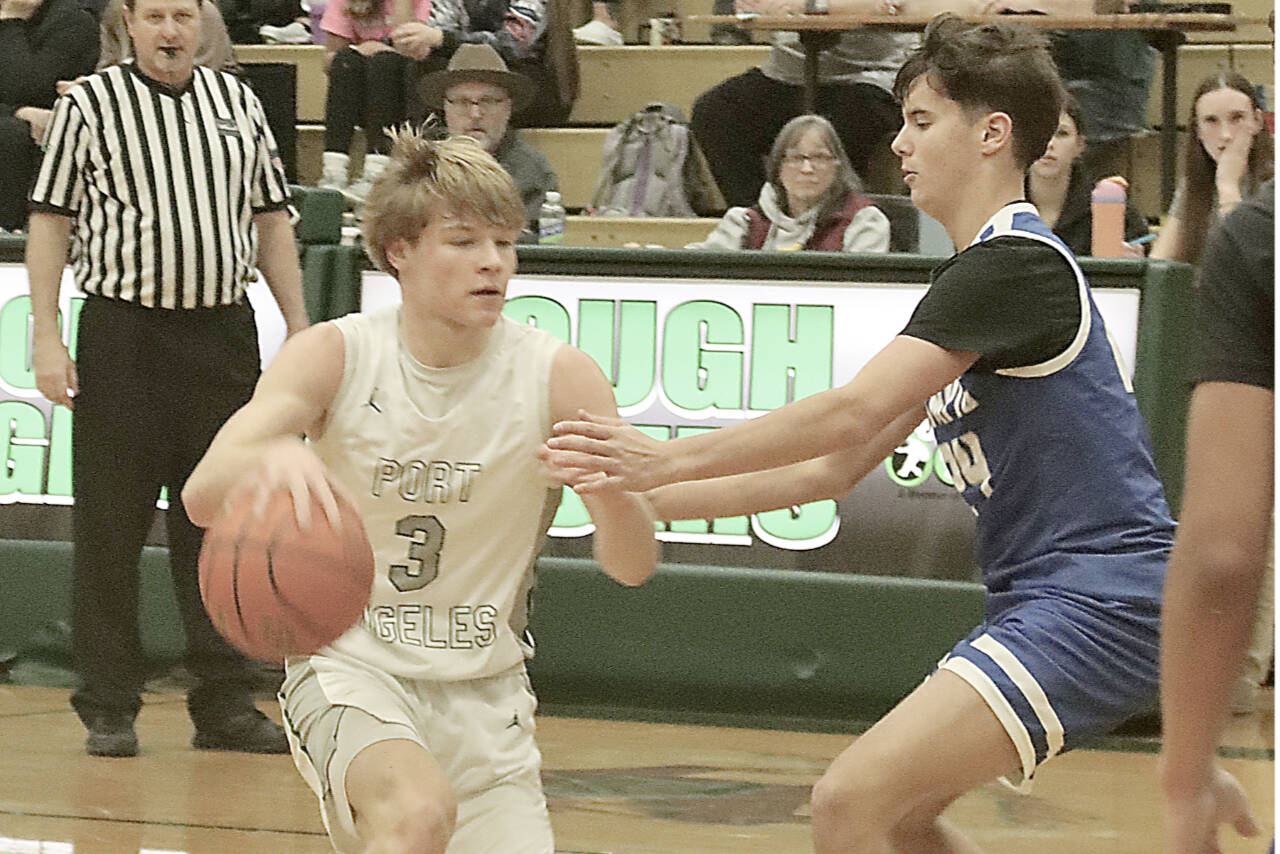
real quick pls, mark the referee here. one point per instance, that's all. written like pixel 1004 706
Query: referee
pixel 162 180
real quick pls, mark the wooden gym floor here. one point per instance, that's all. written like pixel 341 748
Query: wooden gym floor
pixel 615 787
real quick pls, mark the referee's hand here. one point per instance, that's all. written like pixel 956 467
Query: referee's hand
pixel 56 372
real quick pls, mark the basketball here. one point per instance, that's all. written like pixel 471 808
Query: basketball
pixel 273 590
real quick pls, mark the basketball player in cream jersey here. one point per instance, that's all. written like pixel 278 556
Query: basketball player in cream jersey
pixel 1008 358
pixel 415 728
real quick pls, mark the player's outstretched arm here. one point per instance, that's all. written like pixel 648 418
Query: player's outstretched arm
pixel 624 542
pixel 261 444
pixel 899 378
pixel 831 477
pixel 1215 572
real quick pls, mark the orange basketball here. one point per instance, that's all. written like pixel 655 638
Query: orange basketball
pixel 273 590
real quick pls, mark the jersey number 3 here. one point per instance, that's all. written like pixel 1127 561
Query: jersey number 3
pixel 426 538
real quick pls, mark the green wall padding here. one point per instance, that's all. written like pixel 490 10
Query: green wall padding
pixel 701 639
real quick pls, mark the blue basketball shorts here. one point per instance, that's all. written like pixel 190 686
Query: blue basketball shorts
pixel 1056 667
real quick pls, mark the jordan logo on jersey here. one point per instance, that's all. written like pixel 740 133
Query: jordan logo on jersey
pixel 434 482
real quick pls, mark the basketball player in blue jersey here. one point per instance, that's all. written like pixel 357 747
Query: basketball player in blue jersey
pixel 1007 356
pixel 415 727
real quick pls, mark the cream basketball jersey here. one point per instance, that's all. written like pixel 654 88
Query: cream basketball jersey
pixel 442 463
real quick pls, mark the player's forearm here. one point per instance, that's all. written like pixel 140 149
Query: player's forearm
pixel 278 261
pixel 623 544
pixel 830 476
pixel 1214 575
pixel 235 450
pixel 48 237
pixel 1207 624
pixel 800 431
pixel 743 494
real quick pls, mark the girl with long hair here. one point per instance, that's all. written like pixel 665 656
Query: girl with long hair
pixel 1229 153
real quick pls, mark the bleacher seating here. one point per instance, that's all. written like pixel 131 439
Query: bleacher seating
pixel 616 81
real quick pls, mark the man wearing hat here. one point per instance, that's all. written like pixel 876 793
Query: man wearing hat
pixel 478 95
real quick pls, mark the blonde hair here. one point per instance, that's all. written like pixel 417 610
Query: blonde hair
pixel 427 177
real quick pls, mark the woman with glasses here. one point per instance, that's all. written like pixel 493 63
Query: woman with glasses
pixel 811 199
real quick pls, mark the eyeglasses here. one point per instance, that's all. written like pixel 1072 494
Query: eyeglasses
pixel 486 103
pixel 817 161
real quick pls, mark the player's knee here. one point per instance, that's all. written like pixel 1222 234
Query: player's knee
pixel 838 801
pixel 413 825
pixel 855 797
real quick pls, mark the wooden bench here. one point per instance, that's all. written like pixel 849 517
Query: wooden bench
pixel 616 81
pixel 574 153
pixel 671 232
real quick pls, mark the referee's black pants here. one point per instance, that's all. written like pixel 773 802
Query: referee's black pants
pixel 155 386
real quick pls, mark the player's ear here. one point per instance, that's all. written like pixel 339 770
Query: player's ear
pixel 396 251
pixel 997 132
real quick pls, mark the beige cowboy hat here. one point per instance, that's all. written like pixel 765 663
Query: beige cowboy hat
pixel 475 62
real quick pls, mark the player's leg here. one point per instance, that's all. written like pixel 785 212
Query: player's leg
pixel 399 798
pixel 488 749
pixel 356 742
pixel 886 792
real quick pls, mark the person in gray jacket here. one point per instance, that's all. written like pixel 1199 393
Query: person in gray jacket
pixel 810 200
pixel 478 95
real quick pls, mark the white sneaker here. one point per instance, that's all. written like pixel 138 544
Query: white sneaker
pixel 334 171
pixel 295 33
pixel 597 32
pixel 358 190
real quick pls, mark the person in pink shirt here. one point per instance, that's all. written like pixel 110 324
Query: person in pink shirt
pixel 368 51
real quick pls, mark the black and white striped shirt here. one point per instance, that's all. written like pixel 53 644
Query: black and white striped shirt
pixel 162 184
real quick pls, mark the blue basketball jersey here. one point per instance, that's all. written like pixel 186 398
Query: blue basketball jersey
pixel 1054 460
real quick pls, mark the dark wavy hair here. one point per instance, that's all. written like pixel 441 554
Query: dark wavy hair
pixel 1002 66
pixel 1199 170
pixel 845 180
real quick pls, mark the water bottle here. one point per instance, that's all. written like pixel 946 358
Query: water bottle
pixel 1107 207
pixel 551 220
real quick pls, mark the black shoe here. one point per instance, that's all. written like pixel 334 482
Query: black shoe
pixel 111 735
pixel 249 731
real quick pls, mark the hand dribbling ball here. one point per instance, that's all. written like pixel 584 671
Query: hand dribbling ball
pixel 274 590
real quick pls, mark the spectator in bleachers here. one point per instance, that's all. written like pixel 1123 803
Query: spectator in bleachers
pixel 41 42
pixel 810 200
pixel 1228 154
pixel 257 21
pixel 1059 188
pixel 531 40
pixel 368 57
pixel 736 121
pixel 603 28
pixel 1109 74
pixel 215 45
pixel 478 95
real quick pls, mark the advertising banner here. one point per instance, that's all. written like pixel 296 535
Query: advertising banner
pixel 684 355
